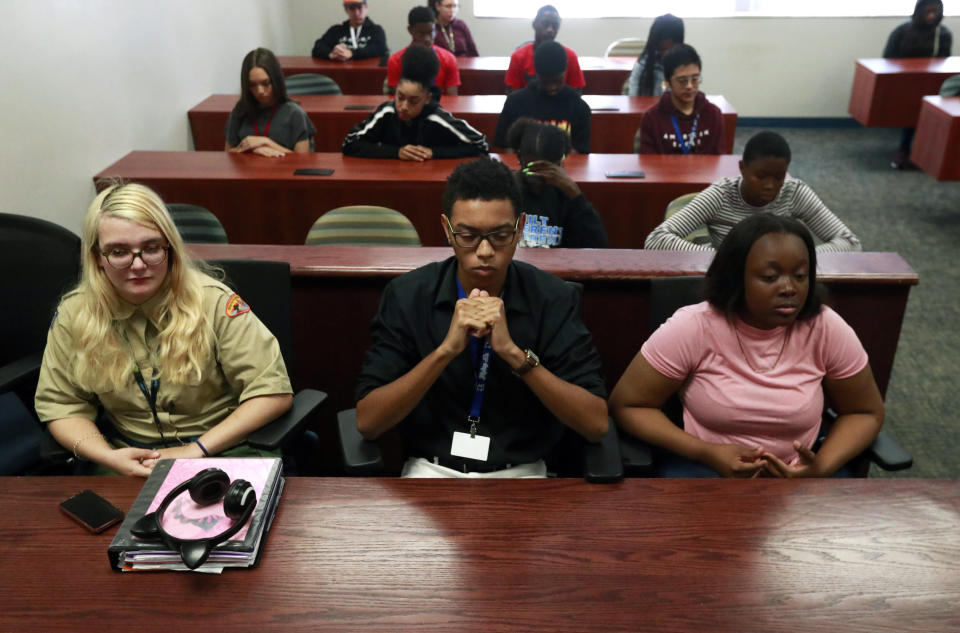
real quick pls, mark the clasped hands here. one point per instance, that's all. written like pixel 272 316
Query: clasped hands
pixel 260 145
pixel 341 53
pixel 732 460
pixel 417 153
pixel 482 316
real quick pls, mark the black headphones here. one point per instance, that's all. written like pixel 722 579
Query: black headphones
pixel 206 487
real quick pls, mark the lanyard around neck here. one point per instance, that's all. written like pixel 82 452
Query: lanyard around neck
pixel 481 357
pixel 686 149
pixel 449 36
pixel 355 36
pixel 152 393
pixel 266 131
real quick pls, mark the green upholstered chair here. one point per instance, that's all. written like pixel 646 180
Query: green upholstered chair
pixel 699 235
pixel 363 225
pixel 196 224
pixel 312 84
pixel 625 47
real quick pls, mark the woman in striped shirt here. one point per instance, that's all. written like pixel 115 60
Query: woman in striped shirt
pixel 761 187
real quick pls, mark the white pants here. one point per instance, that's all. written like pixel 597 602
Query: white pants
pixel 420 468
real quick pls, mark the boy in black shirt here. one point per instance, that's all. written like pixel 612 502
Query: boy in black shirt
pixel 548 100
pixel 558 215
pixel 356 38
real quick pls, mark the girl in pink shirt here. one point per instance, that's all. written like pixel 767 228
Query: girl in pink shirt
pixel 751 365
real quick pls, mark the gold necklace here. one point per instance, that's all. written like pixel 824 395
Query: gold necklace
pixel 744 353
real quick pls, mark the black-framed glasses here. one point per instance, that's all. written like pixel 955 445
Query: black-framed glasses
pixel 497 239
pixel 151 255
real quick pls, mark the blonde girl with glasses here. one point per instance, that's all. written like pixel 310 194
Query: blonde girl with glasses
pixel 177 362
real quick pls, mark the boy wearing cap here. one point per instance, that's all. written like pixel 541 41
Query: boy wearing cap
pixel 549 100
pixel 356 38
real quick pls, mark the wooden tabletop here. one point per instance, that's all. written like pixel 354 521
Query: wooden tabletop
pixel 615 119
pixel 261 200
pixel 548 555
pixel 478 75
pixel 888 92
pixel 936 145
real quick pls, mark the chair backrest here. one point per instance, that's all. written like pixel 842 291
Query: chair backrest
pixel 950 87
pixel 196 224
pixel 667 295
pixel 40 261
pixel 312 84
pixel 363 225
pixel 625 47
pixel 265 287
pixel 700 235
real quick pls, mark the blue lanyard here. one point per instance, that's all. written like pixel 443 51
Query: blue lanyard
pixel 480 377
pixel 151 397
pixel 693 133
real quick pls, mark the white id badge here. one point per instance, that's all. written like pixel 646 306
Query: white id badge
pixel 470 447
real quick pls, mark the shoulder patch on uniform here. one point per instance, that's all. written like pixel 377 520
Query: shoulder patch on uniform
pixel 236 306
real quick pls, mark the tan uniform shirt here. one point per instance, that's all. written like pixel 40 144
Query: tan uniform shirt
pixel 246 363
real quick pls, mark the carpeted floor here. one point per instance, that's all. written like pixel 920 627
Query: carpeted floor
pixel 912 214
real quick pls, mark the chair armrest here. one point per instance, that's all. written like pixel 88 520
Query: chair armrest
pixel 272 436
pixel 360 456
pixel 637 456
pixel 19 371
pixel 601 461
pixel 51 451
pixel 886 453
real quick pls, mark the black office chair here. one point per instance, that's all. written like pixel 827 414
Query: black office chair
pixel 265 286
pixel 41 261
pixel 667 295
pixel 572 457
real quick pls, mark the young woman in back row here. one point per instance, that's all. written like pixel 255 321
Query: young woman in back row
pixel 265 121
pixel 646 78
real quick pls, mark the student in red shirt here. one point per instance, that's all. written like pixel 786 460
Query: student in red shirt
pixel 683 121
pixel 521 70
pixel 421 24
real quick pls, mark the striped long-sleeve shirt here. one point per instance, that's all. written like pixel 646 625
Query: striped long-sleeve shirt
pixel 720 206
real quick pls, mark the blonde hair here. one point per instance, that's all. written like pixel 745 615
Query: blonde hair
pixel 186 335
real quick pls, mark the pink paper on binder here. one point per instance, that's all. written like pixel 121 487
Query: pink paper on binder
pixel 187 520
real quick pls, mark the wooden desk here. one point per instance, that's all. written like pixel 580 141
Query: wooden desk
pixel 478 75
pixel 936 146
pixel 887 92
pixel 615 120
pixel 336 291
pixel 554 555
pixel 260 201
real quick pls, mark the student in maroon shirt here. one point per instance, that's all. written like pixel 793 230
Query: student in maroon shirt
pixel 683 121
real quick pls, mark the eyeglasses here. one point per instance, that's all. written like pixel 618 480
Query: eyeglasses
pixel 688 80
pixel 497 239
pixel 151 255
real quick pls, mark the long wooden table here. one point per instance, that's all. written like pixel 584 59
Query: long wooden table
pixel 615 120
pixel 555 555
pixel 888 92
pixel 478 75
pixel 260 200
pixel 336 290
pixel 936 146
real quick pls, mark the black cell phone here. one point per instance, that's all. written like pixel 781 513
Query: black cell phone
pixel 312 171
pixel 605 109
pixel 358 106
pixel 92 511
pixel 625 174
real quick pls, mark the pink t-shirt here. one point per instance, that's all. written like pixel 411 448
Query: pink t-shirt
pixel 725 401
pixel 449 74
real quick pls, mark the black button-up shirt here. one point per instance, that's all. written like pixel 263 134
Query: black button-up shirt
pixel 543 314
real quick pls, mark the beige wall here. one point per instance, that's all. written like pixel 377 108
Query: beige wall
pixel 770 67
pixel 87 81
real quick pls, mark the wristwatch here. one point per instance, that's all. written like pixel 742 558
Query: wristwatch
pixel 529 363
